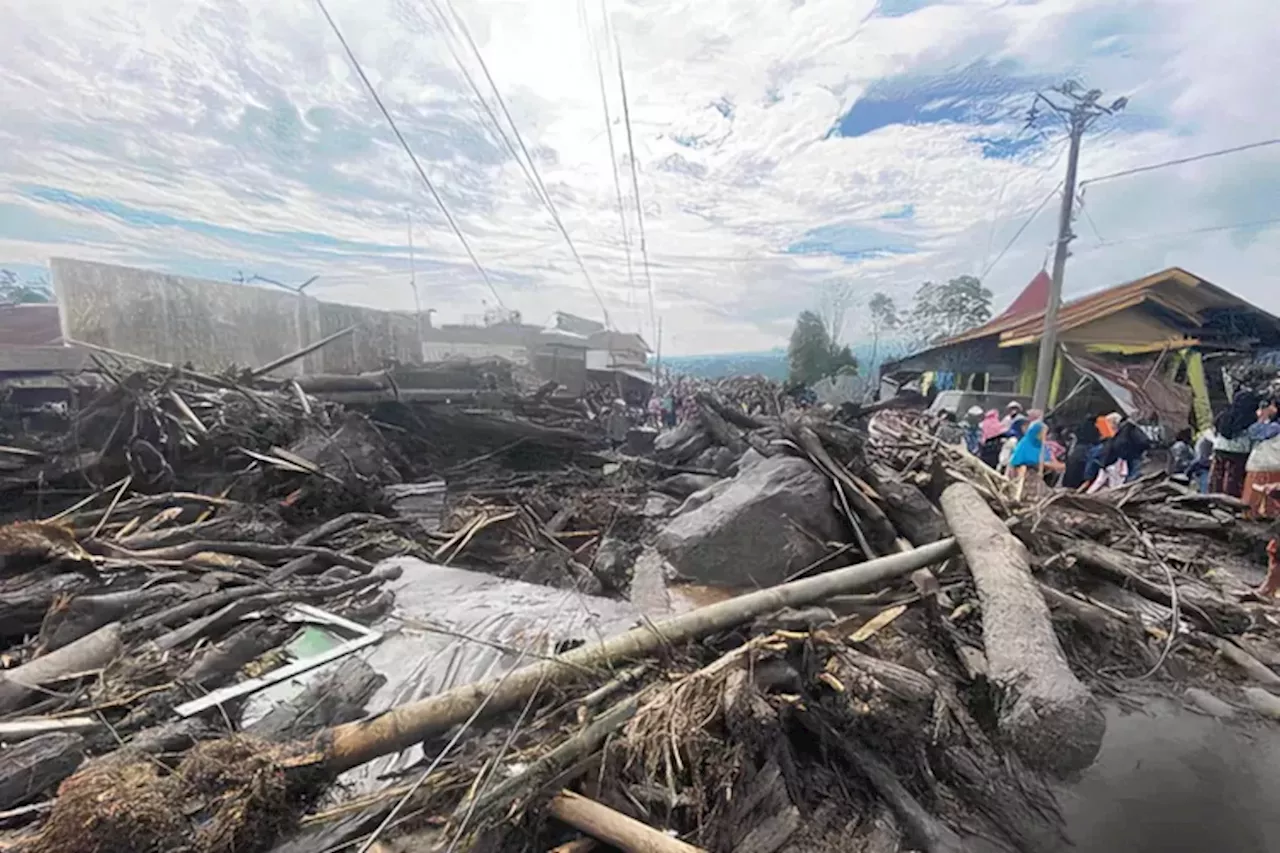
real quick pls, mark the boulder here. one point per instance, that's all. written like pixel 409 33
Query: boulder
pixel 749 532
pixel 640 440
pixel 683 485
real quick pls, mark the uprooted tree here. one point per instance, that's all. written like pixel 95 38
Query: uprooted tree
pixel 813 355
pixel 942 311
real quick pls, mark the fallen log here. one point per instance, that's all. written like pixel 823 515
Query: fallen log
pixel 68 621
pixel 722 432
pixel 1213 614
pixel 22 683
pixel 34 766
pixel 601 822
pixel 907 507
pixel 25 600
pixel 354 744
pixel 337 697
pixel 1049 716
pixel 880 531
pixel 733 415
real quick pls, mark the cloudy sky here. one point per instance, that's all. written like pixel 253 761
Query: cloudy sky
pixel 780 146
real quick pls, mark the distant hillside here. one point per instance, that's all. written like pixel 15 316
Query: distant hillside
pixel 771 363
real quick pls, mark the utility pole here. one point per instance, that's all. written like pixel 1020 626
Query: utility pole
pixel 413 285
pixel 1079 109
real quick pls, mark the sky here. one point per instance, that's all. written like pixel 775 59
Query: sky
pixel 781 149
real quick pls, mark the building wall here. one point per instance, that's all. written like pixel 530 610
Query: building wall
pixel 598 359
pixel 449 351
pixel 215 325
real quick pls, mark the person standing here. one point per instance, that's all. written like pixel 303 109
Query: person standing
pixel 1262 484
pixel 1086 448
pixel 1232 446
pixel 1131 445
pixel 1181 455
pixel 973 430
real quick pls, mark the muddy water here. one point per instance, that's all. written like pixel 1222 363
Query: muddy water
pixel 1170 781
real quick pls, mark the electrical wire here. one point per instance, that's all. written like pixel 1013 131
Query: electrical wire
pixel 373 93
pixel 613 153
pixel 1169 235
pixel 533 167
pixel 1180 161
pixel 635 185
pixel 1020 231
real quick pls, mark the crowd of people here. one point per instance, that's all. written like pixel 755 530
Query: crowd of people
pixel 1238 456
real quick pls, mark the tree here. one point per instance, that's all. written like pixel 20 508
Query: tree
pixel 813 355
pixel 882 317
pixel 14 289
pixel 943 311
pixel 833 307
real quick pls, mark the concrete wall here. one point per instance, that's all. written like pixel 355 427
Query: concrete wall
pixel 214 325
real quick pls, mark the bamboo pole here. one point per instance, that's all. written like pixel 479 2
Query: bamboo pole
pixel 600 821
pixel 353 744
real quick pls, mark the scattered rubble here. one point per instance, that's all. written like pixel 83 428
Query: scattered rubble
pixel 920 649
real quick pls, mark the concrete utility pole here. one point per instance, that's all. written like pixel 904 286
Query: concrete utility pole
pixel 1079 109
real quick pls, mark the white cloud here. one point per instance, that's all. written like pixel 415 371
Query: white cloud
pixel 235 135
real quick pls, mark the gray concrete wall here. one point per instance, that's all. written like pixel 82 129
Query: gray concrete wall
pixel 215 325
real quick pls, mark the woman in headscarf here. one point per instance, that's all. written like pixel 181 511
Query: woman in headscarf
pixel 1262 483
pixel 992 432
pixel 1032 452
pixel 1232 446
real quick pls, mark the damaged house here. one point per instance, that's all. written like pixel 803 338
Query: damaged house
pixel 1154 348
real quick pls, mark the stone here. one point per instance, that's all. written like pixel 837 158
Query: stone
pixel 683 485
pixel 749 531
pixel 658 505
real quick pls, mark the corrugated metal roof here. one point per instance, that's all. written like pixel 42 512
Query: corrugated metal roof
pixel 1195 296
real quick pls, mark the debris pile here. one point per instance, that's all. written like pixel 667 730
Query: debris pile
pixel 928 646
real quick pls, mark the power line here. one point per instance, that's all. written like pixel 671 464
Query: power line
pixel 635 184
pixel 1169 235
pixel 1025 226
pixel 405 144
pixel 613 153
pixel 533 167
pixel 1180 161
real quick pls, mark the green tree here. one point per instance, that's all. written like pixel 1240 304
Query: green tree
pixel 943 311
pixel 882 317
pixel 812 355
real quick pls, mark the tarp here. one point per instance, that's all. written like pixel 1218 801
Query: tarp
pixel 1140 388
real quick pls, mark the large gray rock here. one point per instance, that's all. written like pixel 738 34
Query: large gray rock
pixel 749 532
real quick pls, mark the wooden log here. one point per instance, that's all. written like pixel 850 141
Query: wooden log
pixel 339 696
pixel 1262 701
pixel 601 822
pixel 723 433
pixel 82 615
pixel 880 531
pixel 12 731
pixel 1211 613
pixel 216 664
pixel 907 507
pixel 1049 716
pixel 33 767
pixel 25 600
pixel 353 744
pixel 1255 669
pixel 1207 703
pixel 732 414
pixel 23 683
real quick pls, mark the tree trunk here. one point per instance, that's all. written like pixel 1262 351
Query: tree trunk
pixel 353 744
pixel 600 821
pixel 1051 719
pixel 85 614
pixel 22 683
pixel 908 508
pixel 34 766
pixel 337 697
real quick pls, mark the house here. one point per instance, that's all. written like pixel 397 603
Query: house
pixel 551 354
pixel 1149 346
pixel 614 358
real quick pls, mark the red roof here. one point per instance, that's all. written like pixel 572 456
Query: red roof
pixel 1033 298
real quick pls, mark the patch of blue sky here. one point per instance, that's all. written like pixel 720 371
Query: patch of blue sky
pixel 20 222
pixel 980 94
pixel 850 242
pixel 270 241
pixel 1006 147
pixel 907 211
pixel 899 8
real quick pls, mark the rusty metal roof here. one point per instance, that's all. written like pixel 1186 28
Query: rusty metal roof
pixel 1173 289
pixel 30 325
